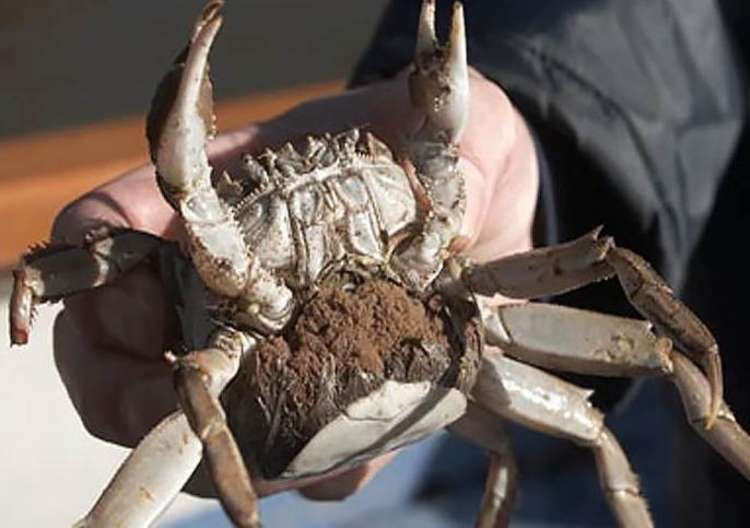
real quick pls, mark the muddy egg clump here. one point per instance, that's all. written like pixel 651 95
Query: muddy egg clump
pixel 348 339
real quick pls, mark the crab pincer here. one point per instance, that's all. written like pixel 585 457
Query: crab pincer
pixel 439 81
pixel 439 91
pixel 179 125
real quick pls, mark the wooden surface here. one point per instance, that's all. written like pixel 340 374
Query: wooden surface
pixel 39 174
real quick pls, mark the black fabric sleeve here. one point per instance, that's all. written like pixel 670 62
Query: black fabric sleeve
pixel 636 107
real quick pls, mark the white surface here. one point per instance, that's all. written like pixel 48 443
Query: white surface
pixel 51 469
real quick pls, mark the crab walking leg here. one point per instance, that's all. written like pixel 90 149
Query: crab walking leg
pixel 161 464
pixel 557 269
pixel 150 478
pixel 545 271
pixel 531 397
pixel 484 429
pixel 587 342
pixel 726 435
pixel 199 378
pixel 439 88
pixel 180 123
pixel 51 272
pixel 653 298
pixel 582 341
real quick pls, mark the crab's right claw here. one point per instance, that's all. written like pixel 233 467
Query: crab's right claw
pixel 439 84
pixel 181 119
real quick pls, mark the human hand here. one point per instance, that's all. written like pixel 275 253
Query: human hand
pixel 109 342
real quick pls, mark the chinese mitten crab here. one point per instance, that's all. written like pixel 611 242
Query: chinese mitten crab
pixel 327 318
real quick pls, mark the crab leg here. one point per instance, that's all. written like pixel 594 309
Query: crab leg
pixel 555 270
pixel 150 478
pixel 651 296
pixel 544 271
pixel 529 396
pixel 199 378
pixel 592 343
pixel 726 436
pixel 161 464
pixel 484 429
pixel 439 88
pixel 51 272
pixel 562 338
pixel 179 126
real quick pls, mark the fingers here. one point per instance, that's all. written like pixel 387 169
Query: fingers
pixel 381 107
pixel 502 196
pixel 132 200
pixel 109 343
pixel 338 487
pixel 119 397
pixel 332 487
pixel 109 346
pixel 132 315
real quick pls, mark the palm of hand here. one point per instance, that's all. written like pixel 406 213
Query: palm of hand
pixel 109 342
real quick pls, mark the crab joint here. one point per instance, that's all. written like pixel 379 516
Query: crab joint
pixel 651 296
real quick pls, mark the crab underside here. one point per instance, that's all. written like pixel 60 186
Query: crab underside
pixel 321 289
pixel 357 339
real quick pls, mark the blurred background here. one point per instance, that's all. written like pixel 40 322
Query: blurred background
pixel 76 78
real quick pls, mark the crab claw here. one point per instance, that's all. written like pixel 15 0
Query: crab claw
pixel 179 126
pixel 181 119
pixel 439 90
pixel 439 84
pixel 426 39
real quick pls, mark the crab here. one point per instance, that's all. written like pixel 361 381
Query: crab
pixel 292 227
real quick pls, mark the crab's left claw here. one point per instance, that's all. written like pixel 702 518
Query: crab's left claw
pixel 439 90
pixel 439 83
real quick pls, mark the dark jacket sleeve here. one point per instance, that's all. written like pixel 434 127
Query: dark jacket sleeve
pixel 636 106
